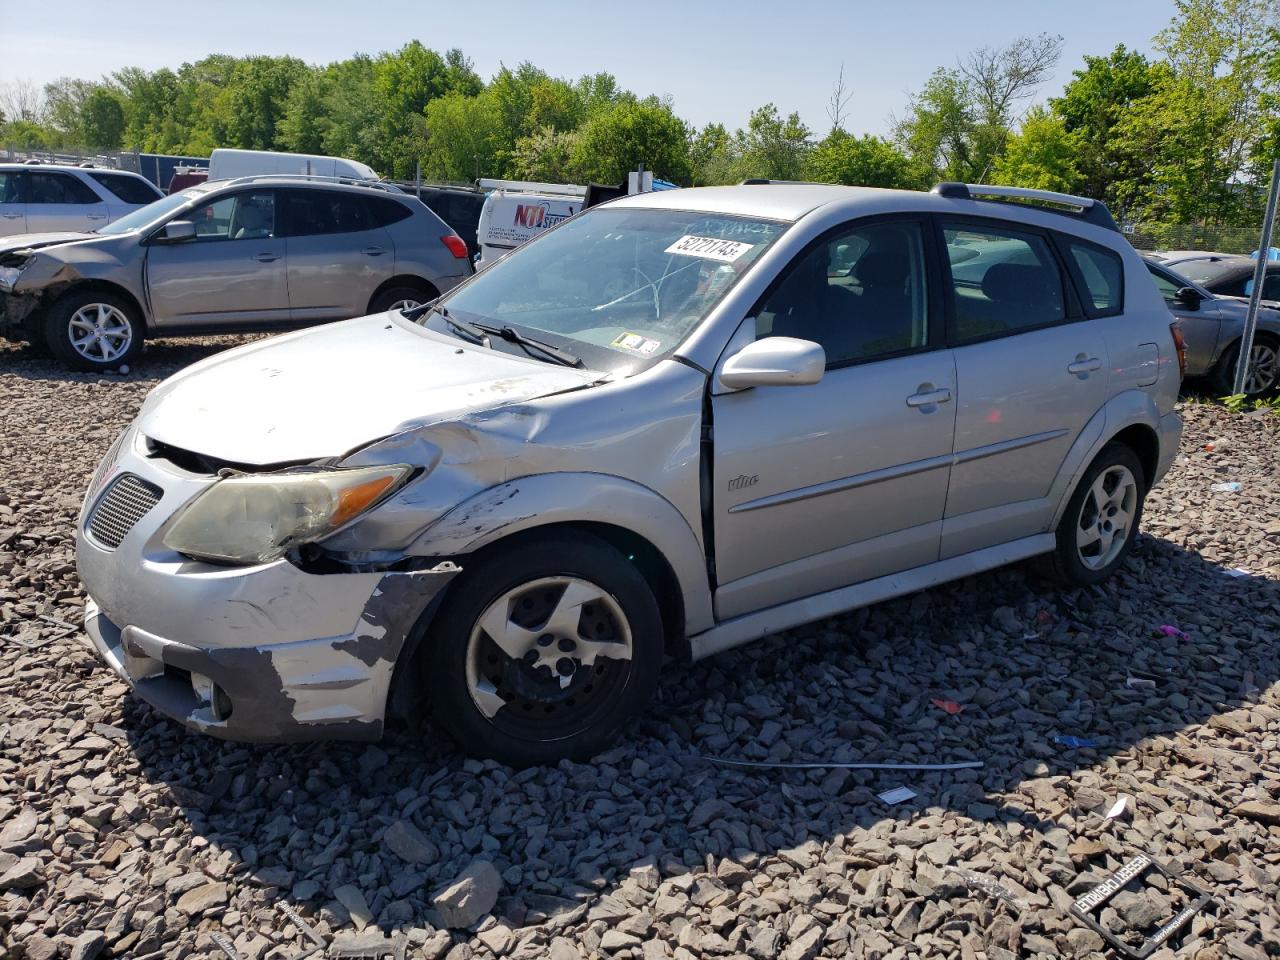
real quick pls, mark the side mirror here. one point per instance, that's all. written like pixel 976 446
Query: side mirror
pixel 175 231
pixel 1189 297
pixel 774 362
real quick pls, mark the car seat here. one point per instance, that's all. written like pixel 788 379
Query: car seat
pixel 254 220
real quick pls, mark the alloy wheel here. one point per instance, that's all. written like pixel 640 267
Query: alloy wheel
pixel 1106 517
pixel 547 654
pixel 100 333
pixel 402 305
pixel 1264 369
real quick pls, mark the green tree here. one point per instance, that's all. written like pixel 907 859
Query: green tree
pixel 1042 155
pixel 772 147
pixel 102 120
pixel 866 161
pixel 712 159
pixel 938 132
pixel 546 155
pixel 462 137
pixel 615 141
pixel 259 94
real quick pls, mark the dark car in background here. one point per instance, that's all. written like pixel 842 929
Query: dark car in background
pixel 1227 275
pixel 1212 325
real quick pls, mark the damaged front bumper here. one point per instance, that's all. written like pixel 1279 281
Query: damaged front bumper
pixel 328 688
pixel 17 310
pixel 264 653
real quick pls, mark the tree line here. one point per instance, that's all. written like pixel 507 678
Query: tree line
pixel 1186 135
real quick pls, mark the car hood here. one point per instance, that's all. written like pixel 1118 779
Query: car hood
pixel 35 241
pixel 323 392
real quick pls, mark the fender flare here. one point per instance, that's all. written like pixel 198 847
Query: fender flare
pixel 1128 409
pixel 541 500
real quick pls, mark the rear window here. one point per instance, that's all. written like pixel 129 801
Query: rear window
pixel 1004 282
pixel 1102 271
pixel 385 211
pixel 129 189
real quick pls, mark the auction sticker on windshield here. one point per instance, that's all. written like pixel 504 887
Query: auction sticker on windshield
pixel 709 248
pixel 635 343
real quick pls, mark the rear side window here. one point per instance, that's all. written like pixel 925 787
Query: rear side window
pixel 317 212
pixel 385 211
pixel 128 189
pixel 1003 282
pixel 58 188
pixel 1102 272
pixel 11 187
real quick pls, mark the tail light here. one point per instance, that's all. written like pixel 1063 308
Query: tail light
pixel 455 244
pixel 1180 345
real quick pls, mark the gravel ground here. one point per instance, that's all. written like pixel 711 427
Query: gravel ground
pixel 122 835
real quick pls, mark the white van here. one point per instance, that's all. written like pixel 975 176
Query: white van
pixel 225 164
pixel 519 210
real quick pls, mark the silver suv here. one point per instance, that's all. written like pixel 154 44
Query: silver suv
pixel 44 198
pixel 257 253
pixel 672 424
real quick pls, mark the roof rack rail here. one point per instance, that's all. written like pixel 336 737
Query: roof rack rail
pixel 1087 209
pixel 315 178
pixel 756 181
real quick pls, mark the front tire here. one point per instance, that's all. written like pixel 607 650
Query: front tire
pixel 1097 530
pixel 543 651
pixel 400 298
pixel 1263 376
pixel 93 330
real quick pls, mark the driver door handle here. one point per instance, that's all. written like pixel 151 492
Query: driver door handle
pixel 265 257
pixel 1084 365
pixel 929 398
pixel 12 216
pixel 372 251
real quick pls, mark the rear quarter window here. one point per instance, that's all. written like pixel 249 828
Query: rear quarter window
pixel 1101 274
pixel 386 211
pixel 128 189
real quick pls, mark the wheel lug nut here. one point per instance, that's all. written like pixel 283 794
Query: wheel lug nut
pixel 531 657
pixel 564 666
pixel 545 640
pixel 566 644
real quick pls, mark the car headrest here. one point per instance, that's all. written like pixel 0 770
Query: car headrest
pixel 1018 283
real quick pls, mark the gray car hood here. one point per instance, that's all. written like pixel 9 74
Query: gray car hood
pixel 34 241
pixel 326 391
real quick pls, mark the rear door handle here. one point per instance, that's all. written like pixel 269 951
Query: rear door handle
pixel 265 257
pixel 13 216
pixel 96 217
pixel 1084 365
pixel 372 251
pixel 929 398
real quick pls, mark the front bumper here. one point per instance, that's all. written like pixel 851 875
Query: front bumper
pixel 17 310
pixel 263 653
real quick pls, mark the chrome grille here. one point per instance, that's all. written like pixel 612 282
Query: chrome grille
pixel 126 502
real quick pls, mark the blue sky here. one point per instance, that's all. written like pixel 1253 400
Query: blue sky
pixel 716 60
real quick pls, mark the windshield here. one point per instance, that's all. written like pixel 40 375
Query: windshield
pixel 617 287
pixel 145 216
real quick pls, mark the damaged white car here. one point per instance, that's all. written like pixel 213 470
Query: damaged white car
pixel 670 425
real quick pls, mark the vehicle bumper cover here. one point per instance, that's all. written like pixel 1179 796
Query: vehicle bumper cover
pixel 16 309
pixel 295 655
pixel 1170 437
pixel 327 688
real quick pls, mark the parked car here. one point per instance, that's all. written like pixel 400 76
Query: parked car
pixel 258 253
pixel 1212 325
pixel 1228 275
pixel 41 198
pixel 671 425
pixel 459 207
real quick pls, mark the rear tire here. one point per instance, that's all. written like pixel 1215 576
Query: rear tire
pixel 1097 529
pixel 543 651
pixel 93 330
pixel 400 298
pixel 1264 369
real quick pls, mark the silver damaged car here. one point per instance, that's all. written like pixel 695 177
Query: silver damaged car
pixel 672 424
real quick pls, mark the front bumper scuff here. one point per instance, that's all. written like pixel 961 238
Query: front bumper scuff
pixel 327 688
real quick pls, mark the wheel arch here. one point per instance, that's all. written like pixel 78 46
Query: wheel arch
pixel 1130 417
pixel 404 280
pixel 87 286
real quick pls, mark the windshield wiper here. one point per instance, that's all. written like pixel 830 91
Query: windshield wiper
pixel 512 335
pixel 468 330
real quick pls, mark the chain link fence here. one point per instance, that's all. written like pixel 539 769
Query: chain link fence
pixel 1184 236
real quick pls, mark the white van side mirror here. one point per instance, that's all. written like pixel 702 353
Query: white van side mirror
pixel 774 362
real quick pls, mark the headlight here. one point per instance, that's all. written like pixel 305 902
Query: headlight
pixel 9 276
pixel 256 519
